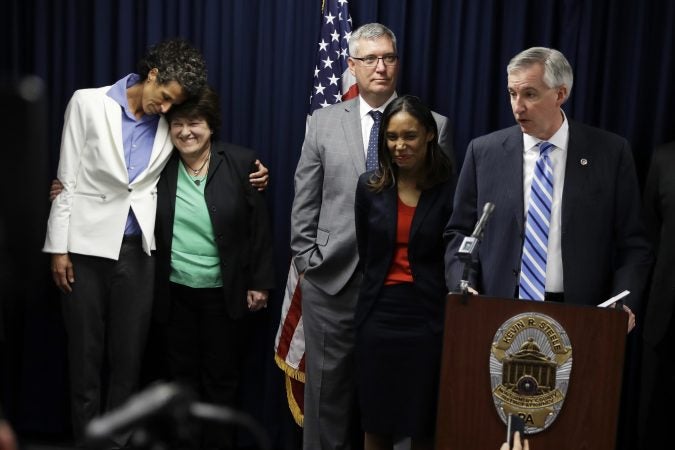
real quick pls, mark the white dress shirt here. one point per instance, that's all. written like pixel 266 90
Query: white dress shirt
pixel 367 120
pixel 558 157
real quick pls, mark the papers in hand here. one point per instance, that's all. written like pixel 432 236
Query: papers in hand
pixel 616 298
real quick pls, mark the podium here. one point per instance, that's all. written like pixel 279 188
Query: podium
pixel 467 415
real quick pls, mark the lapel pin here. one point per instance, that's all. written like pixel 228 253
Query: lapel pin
pixel 584 162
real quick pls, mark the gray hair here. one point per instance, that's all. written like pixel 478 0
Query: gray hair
pixel 557 70
pixel 369 31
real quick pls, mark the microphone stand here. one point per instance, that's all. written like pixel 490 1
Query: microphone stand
pixel 465 255
pixel 469 245
pixel 464 282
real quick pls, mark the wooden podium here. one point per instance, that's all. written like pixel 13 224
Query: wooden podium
pixel 467 416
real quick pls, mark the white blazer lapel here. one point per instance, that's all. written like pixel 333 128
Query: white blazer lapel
pixel 113 114
pixel 162 140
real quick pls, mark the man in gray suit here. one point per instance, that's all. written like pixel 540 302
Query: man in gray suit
pixel 323 236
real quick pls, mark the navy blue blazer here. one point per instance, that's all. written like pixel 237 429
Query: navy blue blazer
pixel 376 221
pixel 241 228
pixel 604 249
pixel 659 206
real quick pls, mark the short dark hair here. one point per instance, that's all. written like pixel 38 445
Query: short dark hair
pixel 205 105
pixel 176 60
pixel 437 165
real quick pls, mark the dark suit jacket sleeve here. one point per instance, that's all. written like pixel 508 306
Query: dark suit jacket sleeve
pixel 633 253
pixel 262 258
pixel 361 208
pixel 461 223
pixel 651 205
pixel 374 243
pixel 659 215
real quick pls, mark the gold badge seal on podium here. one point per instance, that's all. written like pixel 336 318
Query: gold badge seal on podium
pixel 530 367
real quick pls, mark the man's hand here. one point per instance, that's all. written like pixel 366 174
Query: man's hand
pixel 55 189
pixel 261 178
pixel 631 318
pixel 256 300
pixel 62 272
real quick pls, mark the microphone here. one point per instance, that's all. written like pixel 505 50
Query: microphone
pixel 164 415
pixel 480 225
pixel 162 399
pixel 469 243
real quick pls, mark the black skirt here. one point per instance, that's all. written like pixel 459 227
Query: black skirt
pixel 398 364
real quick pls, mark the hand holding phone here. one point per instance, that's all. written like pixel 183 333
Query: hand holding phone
pixel 513 424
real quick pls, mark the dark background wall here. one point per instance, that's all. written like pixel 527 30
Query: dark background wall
pixel 260 55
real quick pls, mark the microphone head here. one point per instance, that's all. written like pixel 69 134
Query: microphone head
pixel 164 399
pixel 487 211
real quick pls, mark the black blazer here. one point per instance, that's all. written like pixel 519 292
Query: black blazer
pixel 659 205
pixel 604 248
pixel 240 225
pixel 376 221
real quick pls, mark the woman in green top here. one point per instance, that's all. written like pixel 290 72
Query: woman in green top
pixel 214 253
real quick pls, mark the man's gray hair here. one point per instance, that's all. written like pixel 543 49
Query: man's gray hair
pixel 557 70
pixel 369 31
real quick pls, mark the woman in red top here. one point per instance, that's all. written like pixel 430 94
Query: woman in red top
pixel 401 211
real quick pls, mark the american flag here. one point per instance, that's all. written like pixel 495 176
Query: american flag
pixel 332 80
pixel 332 83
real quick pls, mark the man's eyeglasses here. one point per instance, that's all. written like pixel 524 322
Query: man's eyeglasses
pixel 372 60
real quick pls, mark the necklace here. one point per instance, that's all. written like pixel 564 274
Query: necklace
pixel 195 172
pixel 198 181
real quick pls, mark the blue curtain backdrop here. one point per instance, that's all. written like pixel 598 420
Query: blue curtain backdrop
pixel 260 56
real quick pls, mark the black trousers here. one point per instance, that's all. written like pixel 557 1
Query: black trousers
pixel 107 313
pixel 204 352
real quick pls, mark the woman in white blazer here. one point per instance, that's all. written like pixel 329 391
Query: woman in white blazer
pixel 114 146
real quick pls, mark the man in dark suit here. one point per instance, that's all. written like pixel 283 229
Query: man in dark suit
pixel 592 243
pixel 323 236
pixel 658 366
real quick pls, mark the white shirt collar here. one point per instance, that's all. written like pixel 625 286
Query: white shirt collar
pixel 364 108
pixel 559 138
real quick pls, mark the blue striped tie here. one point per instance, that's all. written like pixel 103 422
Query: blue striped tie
pixel 535 246
pixel 371 154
